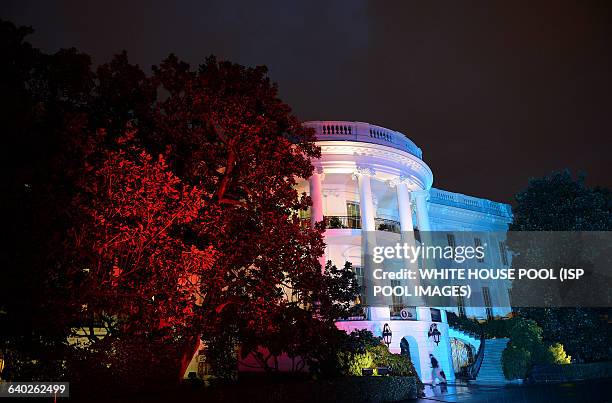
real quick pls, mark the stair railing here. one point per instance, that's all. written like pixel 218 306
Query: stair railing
pixel 473 369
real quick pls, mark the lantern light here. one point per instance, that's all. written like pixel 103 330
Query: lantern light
pixel 435 333
pixel 387 334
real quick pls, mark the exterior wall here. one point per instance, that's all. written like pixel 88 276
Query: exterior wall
pixel 457 212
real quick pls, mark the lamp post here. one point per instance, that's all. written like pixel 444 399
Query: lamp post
pixel 387 334
pixel 435 333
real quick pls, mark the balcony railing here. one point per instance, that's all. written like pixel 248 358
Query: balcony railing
pixel 357 314
pixel 342 222
pixel 459 200
pixel 383 224
pixel 363 132
pixel 354 222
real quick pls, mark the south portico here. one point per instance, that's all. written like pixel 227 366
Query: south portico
pixel 371 183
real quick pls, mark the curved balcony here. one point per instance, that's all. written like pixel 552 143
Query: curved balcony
pixel 363 132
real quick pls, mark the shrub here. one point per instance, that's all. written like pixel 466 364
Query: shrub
pixel 358 341
pixel 353 363
pixel 525 348
pixel 361 349
pixel 584 332
pixel 525 333
pixel 540 355
pixel 516 362
pixel 559 356
pixel 379 354
pixel 400 365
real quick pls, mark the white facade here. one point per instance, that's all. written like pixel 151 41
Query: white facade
pixel 370 178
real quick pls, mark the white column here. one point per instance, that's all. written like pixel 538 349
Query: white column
pixel 316 210
pixel 366 204
pixel 423 313
pixel 405 209
pixel 406 225
pixel 420 198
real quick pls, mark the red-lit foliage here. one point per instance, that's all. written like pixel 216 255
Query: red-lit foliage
pixel 227 131
pixel 127 262
pixel 162 208
pixel 127 241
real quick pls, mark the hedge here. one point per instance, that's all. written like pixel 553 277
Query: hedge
pixel 345 389
pixel 571 372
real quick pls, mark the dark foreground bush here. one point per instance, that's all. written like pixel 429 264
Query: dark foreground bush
pixel 259 388
pixel 345 389
pixel 516 362
pixel 571 372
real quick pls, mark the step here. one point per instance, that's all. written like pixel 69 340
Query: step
pixel 491 382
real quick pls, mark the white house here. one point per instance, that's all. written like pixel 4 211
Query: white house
pixel 370 178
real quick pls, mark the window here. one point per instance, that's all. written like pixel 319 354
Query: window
pixel 304 214
pixel 461 305
pixel 304 217
pixel 503 253
pixel 436 315
pixel 352 209
pixel 353 215
pixel 478 243
pixel 487 300
pixel 396 299
pixel 358 270
pixel 450 239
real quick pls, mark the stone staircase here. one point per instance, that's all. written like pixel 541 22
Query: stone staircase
pixel 491 371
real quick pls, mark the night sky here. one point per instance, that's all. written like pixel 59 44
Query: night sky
pixel 493 92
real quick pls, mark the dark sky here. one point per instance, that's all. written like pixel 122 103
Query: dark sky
pixel 493 92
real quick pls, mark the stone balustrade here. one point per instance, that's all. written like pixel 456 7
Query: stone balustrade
pixel 363 132
pixel 470 203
